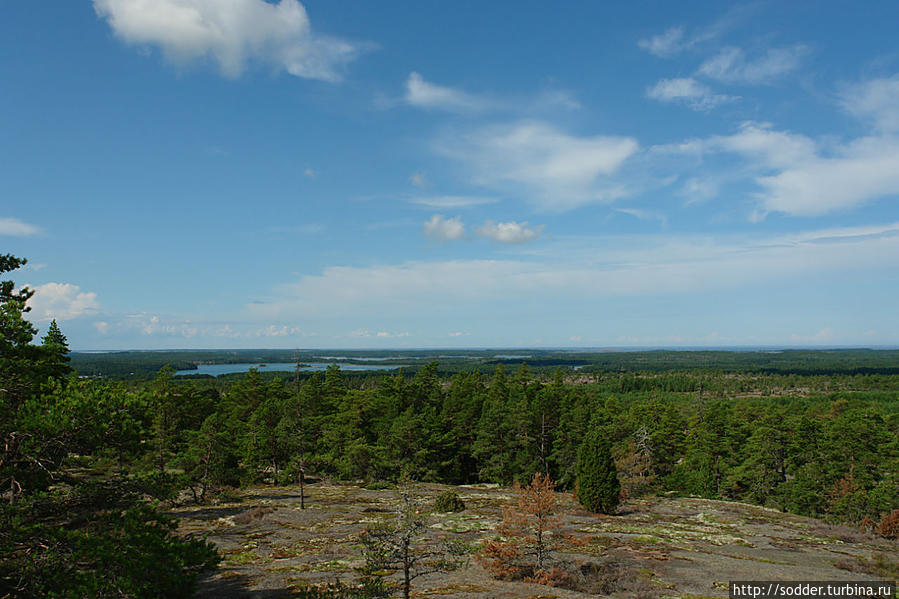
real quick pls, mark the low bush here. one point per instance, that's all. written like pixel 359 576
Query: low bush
pixel 888 527
pixel 449 501
pixel 380 485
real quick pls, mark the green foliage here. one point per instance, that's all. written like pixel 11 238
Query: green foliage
pixel 449 501
pixel 380 485
pixel 96 541
pixel 32 442
pixel 56 349
pixel 211 456
pixel 62 533
pixel 598 488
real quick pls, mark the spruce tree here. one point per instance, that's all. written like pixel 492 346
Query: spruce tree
pixel 55 347
pixel 597 479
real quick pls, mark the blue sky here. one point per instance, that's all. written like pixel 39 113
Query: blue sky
pixel 241 173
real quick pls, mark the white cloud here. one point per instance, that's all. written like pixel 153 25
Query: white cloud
pixel 556 171
pixel 510 232
pixel 431 96
pixel 687 91
pixel 731 65
pixel 422 94
pixel 796 176
pixel 698 191
pixel 175 328
pixel 459 334
pixel 601 267
pixel 806 178
pixel 230 32
pixel 876 100
pixel 444 229
pixel 311 173
pixel 453 201
pixel 16 228
pixel 770 148
pixel 665 44
pixel 62 301
pixel 155 326
pixel 386 335
pixel 862 171
pixel 278 331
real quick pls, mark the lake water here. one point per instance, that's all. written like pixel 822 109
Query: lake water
pixel 217 369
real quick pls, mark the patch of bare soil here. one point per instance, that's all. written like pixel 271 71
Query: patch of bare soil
pixel 653 547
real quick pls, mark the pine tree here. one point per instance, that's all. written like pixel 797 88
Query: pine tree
pixel 597 479
pixel 402 543
pixel 55 347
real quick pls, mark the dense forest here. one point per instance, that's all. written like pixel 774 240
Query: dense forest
pixel 89 464
pixel 146 364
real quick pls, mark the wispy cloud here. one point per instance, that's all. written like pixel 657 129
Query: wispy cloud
pixel 16 228
pixel 447 202
pixel 510 232
pixel 167 327
pixel 687 91
pixel 232 33
pixel 731 65
pixel 557 98
pixel 876 101
pixel 861 171
pixel 642 214
pixel 388 335
pixel 534 160
pixel 427 95
pixel 698 191
pixel 419 180
pixel 798 176
pixel 677 39
pixel 423 94
pixel 665 44
pixel 603 267
pixel 441 228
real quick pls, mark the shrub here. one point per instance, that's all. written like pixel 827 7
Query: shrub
pixel 889 525
pixel 448 501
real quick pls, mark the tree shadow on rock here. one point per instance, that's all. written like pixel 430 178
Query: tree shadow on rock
pixel 234 586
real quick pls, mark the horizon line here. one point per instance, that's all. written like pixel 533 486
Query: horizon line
pixel 607 348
